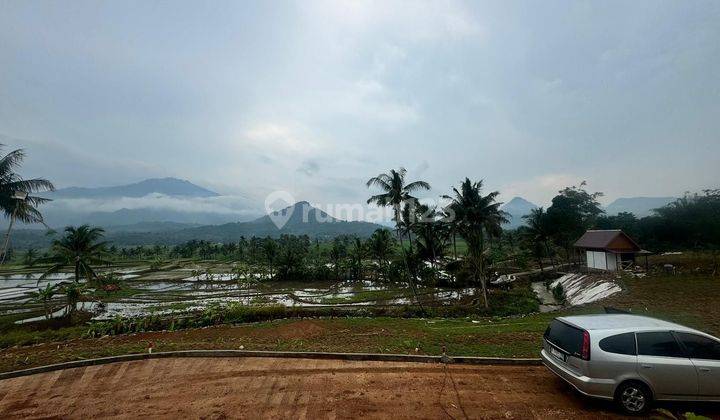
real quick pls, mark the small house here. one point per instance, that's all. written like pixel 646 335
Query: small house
pixel 608 249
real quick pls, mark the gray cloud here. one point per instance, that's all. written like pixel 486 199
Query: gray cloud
pixel 250 95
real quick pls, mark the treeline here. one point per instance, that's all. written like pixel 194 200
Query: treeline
pixel 691 222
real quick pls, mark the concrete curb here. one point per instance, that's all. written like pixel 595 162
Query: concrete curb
pixel 276 354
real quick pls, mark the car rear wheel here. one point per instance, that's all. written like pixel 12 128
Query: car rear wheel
pixel 634 398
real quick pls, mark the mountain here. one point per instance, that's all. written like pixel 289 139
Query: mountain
pixel 639 206
pixel 149 201
pixel 517 208
pixel 298 219
pixel 166 186
pixel 150 227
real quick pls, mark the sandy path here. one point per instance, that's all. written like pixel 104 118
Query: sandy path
pixel 293 388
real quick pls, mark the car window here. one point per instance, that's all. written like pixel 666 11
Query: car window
pixel 619 344
pixel 658 343
pixel 565 336
pixel 700 347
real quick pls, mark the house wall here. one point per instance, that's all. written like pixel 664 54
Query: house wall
pixel 600 260
pixel 611 261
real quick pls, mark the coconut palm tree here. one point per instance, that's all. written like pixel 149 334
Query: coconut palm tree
pixel 17 199
pixel 479 218
pixel 80 248
pixel 432 234
pixel 396 193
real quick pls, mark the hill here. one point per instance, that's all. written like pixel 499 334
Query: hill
pixel 298 219
pixel 639 206
pixel 517 208
pixel 166 186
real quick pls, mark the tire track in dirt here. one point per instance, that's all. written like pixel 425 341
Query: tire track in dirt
pixel 293 388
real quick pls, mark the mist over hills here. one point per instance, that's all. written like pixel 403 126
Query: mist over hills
pixel 299 219
pixel 156 200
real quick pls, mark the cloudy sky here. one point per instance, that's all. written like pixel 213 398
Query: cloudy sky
pixel 314 97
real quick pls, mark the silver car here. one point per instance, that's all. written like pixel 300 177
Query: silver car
pixel 633 360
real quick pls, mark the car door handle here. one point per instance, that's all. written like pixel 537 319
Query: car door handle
pixel 702 369
pixel 646 366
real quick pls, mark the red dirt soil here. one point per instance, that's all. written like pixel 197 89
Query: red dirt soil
pixel 293 388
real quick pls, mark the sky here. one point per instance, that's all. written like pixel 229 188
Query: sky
pixel 315 97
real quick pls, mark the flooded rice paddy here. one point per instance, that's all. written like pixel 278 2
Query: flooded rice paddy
pixel 180 288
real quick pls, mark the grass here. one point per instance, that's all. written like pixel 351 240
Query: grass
pixel 688 297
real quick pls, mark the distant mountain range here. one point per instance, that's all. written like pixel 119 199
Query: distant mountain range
pixel 517 208
pixel 166 186
pixel 171 210
pixel 639 206
pixel 298 219
pixel 156 200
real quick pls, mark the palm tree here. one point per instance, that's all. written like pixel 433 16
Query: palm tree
pixel 432 234
pixel 73 293
pixel 397 192
pixel 407 220
pixel 381 247
pixel 79 248
pixel 479 218
pixel 537 231
pixel 44 296
pixel 30 257
pixel 16 199
pixel 358 251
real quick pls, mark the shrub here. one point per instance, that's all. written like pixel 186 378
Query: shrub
pixel 559 293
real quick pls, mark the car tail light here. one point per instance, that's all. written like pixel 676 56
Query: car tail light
pixel 586 346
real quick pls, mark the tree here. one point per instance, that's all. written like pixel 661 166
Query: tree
pixel 338 251
pixel 627 222
pixel 572 212
pixel 44 296
pixel 80 248
pixel 358 252
pixel 432 234
pixel 537 232
pixel 73 293
pixel 479 218
pixel 396 192
pixel 270 249
pixel 381 247
pixel 17 201
pixel 30 257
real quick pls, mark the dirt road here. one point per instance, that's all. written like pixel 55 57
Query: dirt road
pixel 293 388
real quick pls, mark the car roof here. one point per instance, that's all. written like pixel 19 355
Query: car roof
pixel 621 322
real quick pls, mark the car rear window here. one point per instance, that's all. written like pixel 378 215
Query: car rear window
pixel 658 343
pixel 700 347
pixel 566 337
pixel 619 344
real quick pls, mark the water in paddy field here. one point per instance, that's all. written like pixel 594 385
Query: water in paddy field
pixel 147 292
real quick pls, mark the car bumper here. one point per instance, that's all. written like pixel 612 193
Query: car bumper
pixel 596 388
